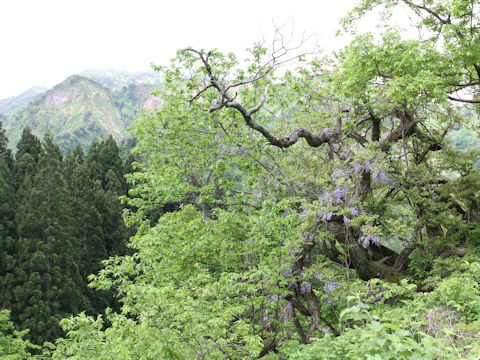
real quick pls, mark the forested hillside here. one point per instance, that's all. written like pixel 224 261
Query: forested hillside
pixel 289 206
pixel 82 108
pixel 11 105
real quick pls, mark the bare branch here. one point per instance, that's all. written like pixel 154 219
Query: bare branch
pixel 192 99
pixel 324 136
pixel 260 104
pixel 473 101
pixel 359 138
pixel 404 129
pixel 430 11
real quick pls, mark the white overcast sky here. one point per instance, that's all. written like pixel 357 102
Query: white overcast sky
pixel 43 42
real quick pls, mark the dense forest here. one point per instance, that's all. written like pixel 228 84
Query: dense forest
pixel 289 206
pixel 60 217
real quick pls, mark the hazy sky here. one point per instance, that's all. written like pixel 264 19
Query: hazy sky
pixel 45 41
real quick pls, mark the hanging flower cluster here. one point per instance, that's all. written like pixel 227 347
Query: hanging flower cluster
pixel 366 240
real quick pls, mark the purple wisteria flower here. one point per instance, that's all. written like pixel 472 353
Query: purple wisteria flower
pixel 355 211
pixel 330 286
pixel 366 240
pixel 368 165
pixel 340 194
pixel 286 274
pixel 337 173
pixel 357 168
pixel 310 237
pixel 242 151
pixel 305 288
pixel 317 276
pixel 346 222
pixel 326 198
pixel 327 217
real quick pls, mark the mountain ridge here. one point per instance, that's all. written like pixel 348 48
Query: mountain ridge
pixel 8 106
pixel 82 108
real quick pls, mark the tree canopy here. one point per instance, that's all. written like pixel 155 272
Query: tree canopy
pixel 316 211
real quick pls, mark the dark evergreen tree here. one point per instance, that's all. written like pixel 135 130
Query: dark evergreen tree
pixel 51 286
pixel 7 224
pixel 129 167
pixel 29 145
pixel 106 167
pixel 71 161
pixel 87 203
pixel 5 152
pixel 104 156
pixel 25 169
pixel 59 219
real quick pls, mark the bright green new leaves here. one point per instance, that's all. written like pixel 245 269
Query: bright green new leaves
pixel 245 250
pixel 377 73
pixel 12 344
pixel 421 325
pixel 217 277
pixel 453 27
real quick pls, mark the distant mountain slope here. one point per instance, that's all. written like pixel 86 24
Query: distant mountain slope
pixel 12 104
pixel 80 109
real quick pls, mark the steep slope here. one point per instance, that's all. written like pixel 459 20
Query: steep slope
pixel 78 110
pixel 12 104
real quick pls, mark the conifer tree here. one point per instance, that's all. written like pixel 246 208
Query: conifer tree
pixel 87 203
pixel 71 161
pixel 7 223
pixel 104 156
pixel 25 168
pixel 105 166
pixel 51 285
pixel 5 152
pixel 29 145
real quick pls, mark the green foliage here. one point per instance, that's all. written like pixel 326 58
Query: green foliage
pixel 58 219
pixel 92 341
pixel 12 344
pixel 79 110
pixel 443 324
pixel 266 248
pixel 50 285
pixel 347 246
pixel 7 225
pixel 10 106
